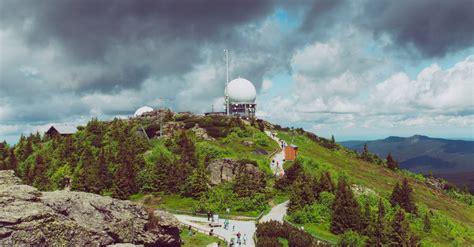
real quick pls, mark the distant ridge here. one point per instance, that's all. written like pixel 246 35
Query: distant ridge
pixel 424 154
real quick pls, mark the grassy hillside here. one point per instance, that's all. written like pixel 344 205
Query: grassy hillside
pixel 115 158
pixel 454 221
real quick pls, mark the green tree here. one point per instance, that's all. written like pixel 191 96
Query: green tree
pixel 346 213
pixel 86 174
pixel 391 163
pixel 326 183
pixel 12 162
pixel 351 239
pixel 378 233
pixel 301 194
pixel 400 229
pixel 366 219
pixel 427 223
pixel 198 182
pixel 403 196
pixel 40 178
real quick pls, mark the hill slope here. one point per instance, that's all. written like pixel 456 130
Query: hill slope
pixel 449 159
pixel 115 158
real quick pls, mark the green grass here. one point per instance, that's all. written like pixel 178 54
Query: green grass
pixel 320 231
pixel 176 202
pixel 459 216
pixel 283 241
pixel 198 239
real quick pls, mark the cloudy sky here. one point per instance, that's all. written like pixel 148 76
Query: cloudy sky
pixel 357 69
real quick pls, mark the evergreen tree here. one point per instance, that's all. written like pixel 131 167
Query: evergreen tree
pixel 86 175
pixel 345 210
pixel 187 149
pixel 391 163
pixel 326 183
pixel 248 182
pixel 365 154
pixel 198 182
pixel 27 151
pixel 378 233
pixel 124 177
pixel 40 178
pixel 427 223
pixel 366 219
pixel 400 229
pixel 103 173
pixel 301 194
pixel 403 196
pixel 12 162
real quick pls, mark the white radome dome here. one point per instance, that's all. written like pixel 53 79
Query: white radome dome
pixel 142 110
pixel 241 90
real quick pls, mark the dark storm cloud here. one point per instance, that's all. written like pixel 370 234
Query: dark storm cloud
pixel 320 15
pixel 433 27
pixel 129 39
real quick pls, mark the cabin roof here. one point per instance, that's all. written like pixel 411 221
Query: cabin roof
pixel 64 129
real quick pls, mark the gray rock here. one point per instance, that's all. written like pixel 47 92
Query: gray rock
pixel 66 218
pixel 227 169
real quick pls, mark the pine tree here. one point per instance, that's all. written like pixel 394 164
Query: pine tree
pixel 27 151
pixel 346 213
pixel 408 202
pixel 326 183
pixel 12 162
pixel 391 163
pixel 301 194
pixel 124 177
pixel 365 154
pixel 427 223
pixel 40 178
pixel 403 196
pixel 103 173
pixel 86 175
pixel 366 219
pixel 198 182
pixel 395 198
pixel 400 229
pixel 248 181
pixel 378 233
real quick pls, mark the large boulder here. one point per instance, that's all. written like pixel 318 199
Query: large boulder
pixel 227 169
pixel 59 218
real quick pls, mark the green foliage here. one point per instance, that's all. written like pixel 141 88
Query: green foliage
pixel 222 197
pixel 198 182
pixel 346 211
pixel 351 239
pixel 269 232
pixel 319 212
pixel 403 196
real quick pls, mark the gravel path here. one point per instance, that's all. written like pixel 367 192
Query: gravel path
pixel 277 213
pixel 276 164
pixel 244 227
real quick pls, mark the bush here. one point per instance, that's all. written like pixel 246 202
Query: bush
pixel 351 239
pixel 268 242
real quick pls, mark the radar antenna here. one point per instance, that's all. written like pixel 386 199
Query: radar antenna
pixel 227 81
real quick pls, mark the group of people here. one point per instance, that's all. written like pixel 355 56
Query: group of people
pixel 240 240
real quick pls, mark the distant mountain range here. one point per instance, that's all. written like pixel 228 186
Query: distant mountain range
pixel 450 159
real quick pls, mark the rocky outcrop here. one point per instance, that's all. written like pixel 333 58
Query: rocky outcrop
pixel 60 218
pixel 227 169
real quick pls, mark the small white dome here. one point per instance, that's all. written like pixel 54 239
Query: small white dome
pixel 241 90
pixel 142 110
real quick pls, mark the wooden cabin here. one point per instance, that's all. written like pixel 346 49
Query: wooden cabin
pixel 291 152
pixel 65 130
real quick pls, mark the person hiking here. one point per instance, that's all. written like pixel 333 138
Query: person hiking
pixel 244 238
pixel 208 215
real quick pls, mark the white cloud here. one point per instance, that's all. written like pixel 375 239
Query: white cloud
pixel 433 90
pixel 266 85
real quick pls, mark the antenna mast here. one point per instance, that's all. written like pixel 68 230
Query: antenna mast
pixel 227 81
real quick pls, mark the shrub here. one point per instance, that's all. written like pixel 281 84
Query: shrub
pixel 351 239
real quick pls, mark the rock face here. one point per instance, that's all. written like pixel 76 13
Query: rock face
pixel 60 218
pixel 227 169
